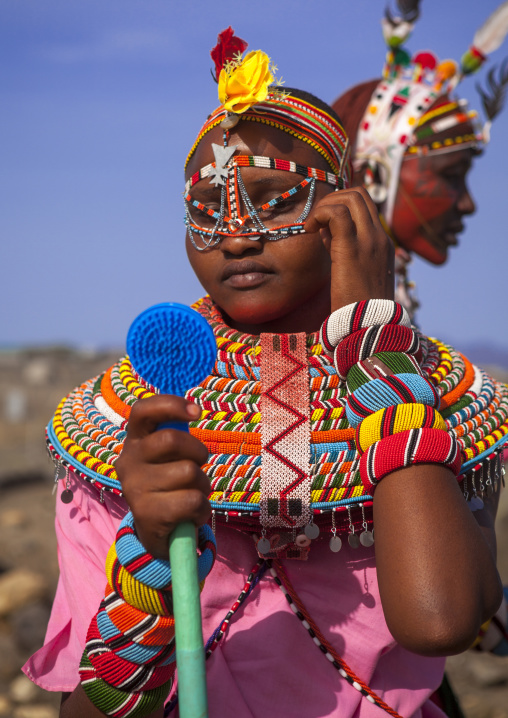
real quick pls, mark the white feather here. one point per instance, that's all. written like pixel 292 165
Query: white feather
pixel 493 31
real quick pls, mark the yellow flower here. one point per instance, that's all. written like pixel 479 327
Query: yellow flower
pixel 245 84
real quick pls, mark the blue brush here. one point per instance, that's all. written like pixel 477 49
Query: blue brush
pixel 173 348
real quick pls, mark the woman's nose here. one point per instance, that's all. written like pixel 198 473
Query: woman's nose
pixel 237 245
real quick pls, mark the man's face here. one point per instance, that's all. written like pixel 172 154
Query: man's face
pixel 432 200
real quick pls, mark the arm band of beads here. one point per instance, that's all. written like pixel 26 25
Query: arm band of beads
pixel 145 629
pixel 156 573
pixel 365 342
pixel 394 420
pixel 380 365
pixel 128 662
pixel 115 702
pixel 151 598
pixel 119 672
pixel 360 315
pixel 415 446
pixel 126 646
pixel 133 591
pixel 390 391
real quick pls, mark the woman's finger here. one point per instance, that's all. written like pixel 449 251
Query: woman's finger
pixel 148 414
pixel 167 445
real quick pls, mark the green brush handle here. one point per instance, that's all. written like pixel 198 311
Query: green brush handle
pixel 190 655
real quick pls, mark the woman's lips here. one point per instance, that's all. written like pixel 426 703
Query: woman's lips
pixel 245 274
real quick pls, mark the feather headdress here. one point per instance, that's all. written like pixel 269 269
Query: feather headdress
pixel 411 84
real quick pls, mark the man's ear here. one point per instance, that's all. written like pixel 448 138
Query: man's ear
pixel 369 174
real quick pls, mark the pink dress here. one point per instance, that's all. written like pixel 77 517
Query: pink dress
pixel 267 664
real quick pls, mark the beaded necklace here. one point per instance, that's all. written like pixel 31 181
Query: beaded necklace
pixel 88 430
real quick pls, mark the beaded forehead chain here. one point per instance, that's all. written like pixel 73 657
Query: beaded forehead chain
pixel 412 103
pixel 247 93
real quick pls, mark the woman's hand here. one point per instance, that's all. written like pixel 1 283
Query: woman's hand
pixel 361 252
pixel 160 471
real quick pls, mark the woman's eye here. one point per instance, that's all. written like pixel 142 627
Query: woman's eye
pixel 282 206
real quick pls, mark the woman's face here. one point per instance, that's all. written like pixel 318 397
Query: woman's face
pixel 432 200
pixel 264 285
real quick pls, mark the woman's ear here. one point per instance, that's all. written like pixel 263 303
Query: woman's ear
pixel 369 174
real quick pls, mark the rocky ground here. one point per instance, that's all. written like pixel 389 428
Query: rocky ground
pixel 28 574
pixel 32 382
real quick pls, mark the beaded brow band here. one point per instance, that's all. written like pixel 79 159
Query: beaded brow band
pixel 268 163
pixel 449 145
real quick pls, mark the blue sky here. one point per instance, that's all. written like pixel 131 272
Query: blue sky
pixel 100 103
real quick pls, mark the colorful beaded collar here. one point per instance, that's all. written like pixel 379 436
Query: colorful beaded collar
pixel 89 427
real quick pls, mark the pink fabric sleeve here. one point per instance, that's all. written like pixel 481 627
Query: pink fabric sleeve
pixel 85 529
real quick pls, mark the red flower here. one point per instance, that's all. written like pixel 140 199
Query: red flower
pixel 227 48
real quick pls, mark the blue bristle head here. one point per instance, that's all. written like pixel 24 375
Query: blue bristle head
pixel 172 347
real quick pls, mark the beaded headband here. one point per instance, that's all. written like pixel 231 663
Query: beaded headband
pixel 247 92
pixel 399 115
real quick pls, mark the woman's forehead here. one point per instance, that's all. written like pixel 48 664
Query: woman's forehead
pixel 252 138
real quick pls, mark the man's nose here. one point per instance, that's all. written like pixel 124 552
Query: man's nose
pixel 466 203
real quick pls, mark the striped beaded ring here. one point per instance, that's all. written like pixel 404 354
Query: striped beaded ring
pixel 395 419
pixel 116 702
pixel 127 647
pixel 390 391
pixel 120 672
pixel 415 446
pixel 360 315
pixel 145 629
pixel 380 365
pixel 137 594
pixel 365 342
pixel 156 573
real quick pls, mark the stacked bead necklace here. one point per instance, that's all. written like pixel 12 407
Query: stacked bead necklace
pixel 89 427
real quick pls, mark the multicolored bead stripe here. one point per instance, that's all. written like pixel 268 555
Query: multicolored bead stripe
pixel 269 163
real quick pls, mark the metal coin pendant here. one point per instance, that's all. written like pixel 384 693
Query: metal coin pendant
pixel 366 538
pixel 311 531
pixel 335 544
pixel 66 496
pixel 353 540
pixel 230 121
pixel 263 546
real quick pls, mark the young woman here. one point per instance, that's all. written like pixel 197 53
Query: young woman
pixel 319 421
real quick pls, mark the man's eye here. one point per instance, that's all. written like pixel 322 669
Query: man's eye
pixel 452 176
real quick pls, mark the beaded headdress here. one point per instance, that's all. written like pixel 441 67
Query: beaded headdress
pixel 399 122
pixel 249 91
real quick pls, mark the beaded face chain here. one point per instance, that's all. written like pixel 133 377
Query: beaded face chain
pixel 208 225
